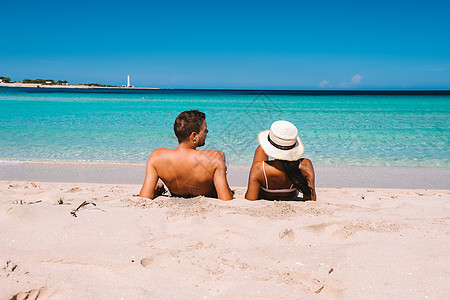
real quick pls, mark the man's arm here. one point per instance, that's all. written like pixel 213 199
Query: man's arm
pixel 150 181
pixel 220 179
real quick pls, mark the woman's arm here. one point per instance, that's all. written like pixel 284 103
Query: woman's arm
pixel 260 155
pixel 307 170
pixel 253 183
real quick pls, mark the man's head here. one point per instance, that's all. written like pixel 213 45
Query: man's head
pixel 188 122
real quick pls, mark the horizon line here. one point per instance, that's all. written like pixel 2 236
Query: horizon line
pixel 250 90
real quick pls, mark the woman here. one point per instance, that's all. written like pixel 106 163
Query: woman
pixel 287 174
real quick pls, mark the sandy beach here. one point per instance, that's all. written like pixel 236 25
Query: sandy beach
pixel 352 243
pixel 100 98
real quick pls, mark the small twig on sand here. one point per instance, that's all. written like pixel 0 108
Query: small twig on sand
pixel 33 184
pixel 319 290
pixel 34 202
pixel 74 211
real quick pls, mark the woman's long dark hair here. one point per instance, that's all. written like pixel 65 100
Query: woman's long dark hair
pixel 295 175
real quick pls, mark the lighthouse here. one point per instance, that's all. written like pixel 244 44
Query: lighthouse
pixel 128 81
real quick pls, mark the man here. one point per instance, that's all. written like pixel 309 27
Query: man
pixel 187 172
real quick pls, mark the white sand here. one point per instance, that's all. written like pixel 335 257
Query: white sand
pixel 134 173
pixel 353 243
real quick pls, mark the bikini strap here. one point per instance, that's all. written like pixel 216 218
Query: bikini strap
pixel 264 171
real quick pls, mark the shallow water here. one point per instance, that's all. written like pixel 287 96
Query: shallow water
pixel 336 129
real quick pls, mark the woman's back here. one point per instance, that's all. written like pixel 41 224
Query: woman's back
pixel 287 174
pixel 269 179
pixel 276 183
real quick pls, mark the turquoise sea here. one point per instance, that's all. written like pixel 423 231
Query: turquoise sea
pixel 337 129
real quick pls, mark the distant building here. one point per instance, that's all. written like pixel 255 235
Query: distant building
pixel 128 81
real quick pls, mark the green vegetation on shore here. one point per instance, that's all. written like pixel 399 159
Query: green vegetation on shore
pixel 5 79
pixel 45 81
pixel 98 84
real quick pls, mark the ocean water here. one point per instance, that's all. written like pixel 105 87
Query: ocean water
pixel 337 129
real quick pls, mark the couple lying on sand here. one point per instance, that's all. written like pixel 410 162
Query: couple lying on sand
pixel 188 172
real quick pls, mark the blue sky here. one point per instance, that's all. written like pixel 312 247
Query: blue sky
pixel 230 44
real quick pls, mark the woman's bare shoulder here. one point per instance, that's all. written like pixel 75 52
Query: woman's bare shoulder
pixel 306 163
pixel 256 167
pixel 307 166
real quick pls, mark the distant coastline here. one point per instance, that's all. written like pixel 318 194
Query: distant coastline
pixel 67 86
pixel 31 87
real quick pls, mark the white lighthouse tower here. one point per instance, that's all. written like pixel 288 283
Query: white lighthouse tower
pixel 128 81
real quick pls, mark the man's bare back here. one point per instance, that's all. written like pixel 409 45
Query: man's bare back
pixel 187 171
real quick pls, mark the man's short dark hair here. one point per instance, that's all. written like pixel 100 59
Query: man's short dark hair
pixel 188 122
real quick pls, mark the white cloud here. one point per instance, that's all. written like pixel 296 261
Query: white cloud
pixel 324 83
pixel 356 79
pixel 342 85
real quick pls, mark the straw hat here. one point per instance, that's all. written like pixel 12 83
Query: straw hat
pixel 281 141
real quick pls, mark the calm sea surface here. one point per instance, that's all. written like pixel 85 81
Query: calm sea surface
pixel 336 129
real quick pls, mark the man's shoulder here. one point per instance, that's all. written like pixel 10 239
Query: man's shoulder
pixel 214 154
pixel 160 152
